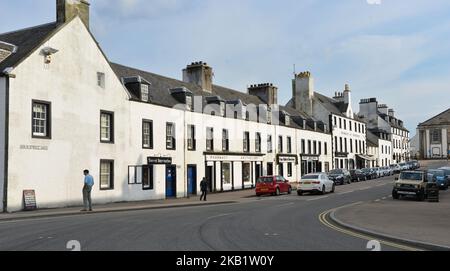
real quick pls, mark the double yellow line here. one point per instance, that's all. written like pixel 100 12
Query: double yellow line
pixel 323 218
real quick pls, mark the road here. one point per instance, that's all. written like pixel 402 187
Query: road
pixel 287 223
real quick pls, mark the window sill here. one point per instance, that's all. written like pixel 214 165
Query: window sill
pixel 41 137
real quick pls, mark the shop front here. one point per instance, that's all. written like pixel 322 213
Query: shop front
pixel 287 163
pixel 232 171
pixel 310 164
pixel 364 161
pixel 341 160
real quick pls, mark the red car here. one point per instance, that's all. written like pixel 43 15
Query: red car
pixel 272 185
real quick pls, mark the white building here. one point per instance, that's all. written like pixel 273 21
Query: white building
pixel 66 108
pixel 434 137
pixel 381 118
pixel 349 148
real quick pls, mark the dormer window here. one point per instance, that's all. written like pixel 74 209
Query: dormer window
pixel 269 115
pixel 222 109
pixel 189 104
pixel 144 93
pixel 287 120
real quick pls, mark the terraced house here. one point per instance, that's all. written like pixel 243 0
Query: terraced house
pixel 65 108
pixel 382 122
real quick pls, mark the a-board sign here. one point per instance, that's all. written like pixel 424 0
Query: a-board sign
pixel 29 200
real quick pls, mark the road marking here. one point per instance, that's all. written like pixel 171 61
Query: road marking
pixel 217 216
pixel 348 192
pixel 365 188
pixel 377 200
pixel 318 198
pixel 284 205
pixel 324 220
pixel 384 198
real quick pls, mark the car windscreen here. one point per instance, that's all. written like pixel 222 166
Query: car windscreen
pixel 336 171
pixel 265 180
pixel 413 176
pixel 436 172
pixel 310 177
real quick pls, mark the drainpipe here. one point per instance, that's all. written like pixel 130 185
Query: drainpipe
pixel 5 177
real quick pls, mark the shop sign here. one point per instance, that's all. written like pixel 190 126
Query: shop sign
pixel 159 160
pixel 232 158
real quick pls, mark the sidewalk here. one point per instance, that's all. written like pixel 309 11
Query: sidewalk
pixel 213 199
pixel 418 222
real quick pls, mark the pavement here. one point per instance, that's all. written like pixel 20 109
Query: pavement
pixel 420 223
pixel 213 199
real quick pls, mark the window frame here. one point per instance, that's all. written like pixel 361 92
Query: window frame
pixel 173 136
pixel 225 140
pixel 258 142
pixel 48 120
pixel 111 174
pixel 246 142
pixel 150 122
pixel 111 127
pixel 191 129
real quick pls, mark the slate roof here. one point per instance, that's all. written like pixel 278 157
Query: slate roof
pixel 160 86
pixel 441 119
pixel 26 40
pixel 372 139
pixel 392 124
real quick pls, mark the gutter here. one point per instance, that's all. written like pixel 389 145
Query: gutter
pixel 5 183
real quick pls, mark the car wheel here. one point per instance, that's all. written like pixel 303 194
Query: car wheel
pixel 333 189
pixel 300 193
pixel 421 196
pixel 290 190
pixel 395 195
pixel 278 192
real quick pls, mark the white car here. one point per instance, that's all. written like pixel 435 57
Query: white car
pixel 315 183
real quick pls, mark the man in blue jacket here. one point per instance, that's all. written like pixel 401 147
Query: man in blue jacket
pixel 87 189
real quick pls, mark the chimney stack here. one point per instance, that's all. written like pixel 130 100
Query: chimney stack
pixel 66 10
pixel 347 94
pixel 266 92
pixel 303 92
pixel 199 73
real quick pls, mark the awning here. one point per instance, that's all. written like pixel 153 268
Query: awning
pixel 366 157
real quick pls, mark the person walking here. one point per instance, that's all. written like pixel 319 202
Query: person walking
pixel 204 188
pixel 87 189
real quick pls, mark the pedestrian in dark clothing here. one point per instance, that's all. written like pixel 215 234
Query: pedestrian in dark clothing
pixel 87 189
pixel 204 188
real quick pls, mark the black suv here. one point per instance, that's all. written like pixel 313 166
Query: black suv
pixel 340 176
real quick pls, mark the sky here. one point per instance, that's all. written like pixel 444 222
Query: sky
pixel 395 50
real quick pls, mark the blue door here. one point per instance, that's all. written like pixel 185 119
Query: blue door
pixel 192 180
pixel 171 180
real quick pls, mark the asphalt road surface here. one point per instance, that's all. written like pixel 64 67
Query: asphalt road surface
pixel 287 223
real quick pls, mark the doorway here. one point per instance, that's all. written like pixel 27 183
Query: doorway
pixel 269 169
pixel 171 181
pixel 209 177
pixel 192 179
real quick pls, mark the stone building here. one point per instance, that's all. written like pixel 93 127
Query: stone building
pixel 434 136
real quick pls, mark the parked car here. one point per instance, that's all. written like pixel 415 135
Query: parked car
pixel 447 171
pixel 315 183
pixel 396 168
pixel 411 183
pixel 379 172
pixel 403 166
pixel 370 174
pixel 358 175
pixel 340 176
pixel 272 185
pixel 415 164
pixel 388 171
pixel 438 176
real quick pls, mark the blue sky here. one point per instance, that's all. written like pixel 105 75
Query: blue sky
pixel 396 50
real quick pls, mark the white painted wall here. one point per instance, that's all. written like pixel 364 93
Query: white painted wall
pixel 2 137
pixel 70 83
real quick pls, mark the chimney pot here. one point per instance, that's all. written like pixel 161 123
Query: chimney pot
pixel 66 10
